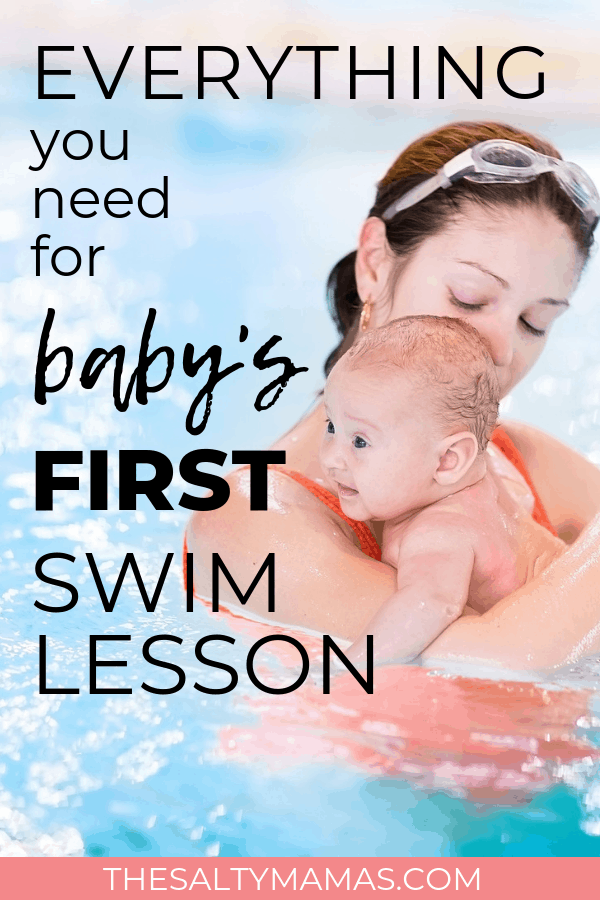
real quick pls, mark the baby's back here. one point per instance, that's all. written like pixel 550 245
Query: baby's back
pixel 510 547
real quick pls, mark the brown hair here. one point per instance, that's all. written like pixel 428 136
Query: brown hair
pixel 410 227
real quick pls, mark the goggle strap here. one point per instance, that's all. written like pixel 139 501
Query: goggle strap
pixel 458 166
pixel 418 193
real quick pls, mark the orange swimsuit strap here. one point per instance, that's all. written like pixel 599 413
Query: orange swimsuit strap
pixel 506 446
pixel 367 542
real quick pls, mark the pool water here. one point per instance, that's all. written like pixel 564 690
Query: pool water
pixel 437 763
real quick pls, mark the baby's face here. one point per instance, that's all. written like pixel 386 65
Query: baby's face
pixel 380 446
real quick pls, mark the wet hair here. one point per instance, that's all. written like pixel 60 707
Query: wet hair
pixel 410 227
pixel 447 360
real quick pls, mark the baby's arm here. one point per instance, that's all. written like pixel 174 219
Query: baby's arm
pixel 435 564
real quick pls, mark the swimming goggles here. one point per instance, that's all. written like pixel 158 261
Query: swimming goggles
pixel 506 162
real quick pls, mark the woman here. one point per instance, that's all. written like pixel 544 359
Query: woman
pixel 505 257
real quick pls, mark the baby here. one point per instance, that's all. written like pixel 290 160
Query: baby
pixel 410 411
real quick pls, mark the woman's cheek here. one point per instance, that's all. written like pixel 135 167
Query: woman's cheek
pixel 525 358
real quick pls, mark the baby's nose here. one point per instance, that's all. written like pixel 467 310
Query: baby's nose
pixel 331 457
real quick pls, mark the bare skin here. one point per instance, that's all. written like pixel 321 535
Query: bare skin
pixel 454 533
pixel 326 584
pixel 512 273
pixel 458 556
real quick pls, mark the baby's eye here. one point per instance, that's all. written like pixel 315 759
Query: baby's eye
pixel 359 442
pixel 330 427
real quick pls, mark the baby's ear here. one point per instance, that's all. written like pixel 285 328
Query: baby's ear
pixel 458 453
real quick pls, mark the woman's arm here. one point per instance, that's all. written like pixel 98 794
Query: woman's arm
pixel 551 621
pixel 322 579
pixel 568 484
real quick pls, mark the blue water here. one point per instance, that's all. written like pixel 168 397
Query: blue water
pixel 263 199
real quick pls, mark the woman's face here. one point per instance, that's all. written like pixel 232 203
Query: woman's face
pixel 508 273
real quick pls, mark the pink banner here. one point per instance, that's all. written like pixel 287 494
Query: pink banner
pixel 488 879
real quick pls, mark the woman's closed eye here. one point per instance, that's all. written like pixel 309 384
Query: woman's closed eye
pixel 531 329
pixel 475 306
pixel 461 304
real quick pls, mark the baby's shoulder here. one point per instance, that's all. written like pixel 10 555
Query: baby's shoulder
pixel 443 522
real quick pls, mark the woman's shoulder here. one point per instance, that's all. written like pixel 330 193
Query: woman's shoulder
pixel 318 566
pixel 291 506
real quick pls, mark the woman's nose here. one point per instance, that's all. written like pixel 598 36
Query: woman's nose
pixel 500 339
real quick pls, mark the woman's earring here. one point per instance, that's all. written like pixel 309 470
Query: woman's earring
pixel 365 316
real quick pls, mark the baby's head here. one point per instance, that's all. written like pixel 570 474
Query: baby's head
pixel 411 407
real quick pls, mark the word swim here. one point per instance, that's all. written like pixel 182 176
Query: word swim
pixel 99 358
pixel 148 653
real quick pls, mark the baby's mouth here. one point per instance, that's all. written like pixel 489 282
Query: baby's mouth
pixel 345 491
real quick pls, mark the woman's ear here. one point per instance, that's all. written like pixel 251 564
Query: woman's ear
pixel 373 266
pixel 457 455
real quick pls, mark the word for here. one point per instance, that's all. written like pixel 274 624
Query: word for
pixel 75 261
pixel 223 63
pixel 99 357
pixel 329 645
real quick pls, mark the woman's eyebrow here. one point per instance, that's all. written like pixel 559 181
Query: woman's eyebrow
pixel 506 285
pixel 480 268
pixel 550 302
